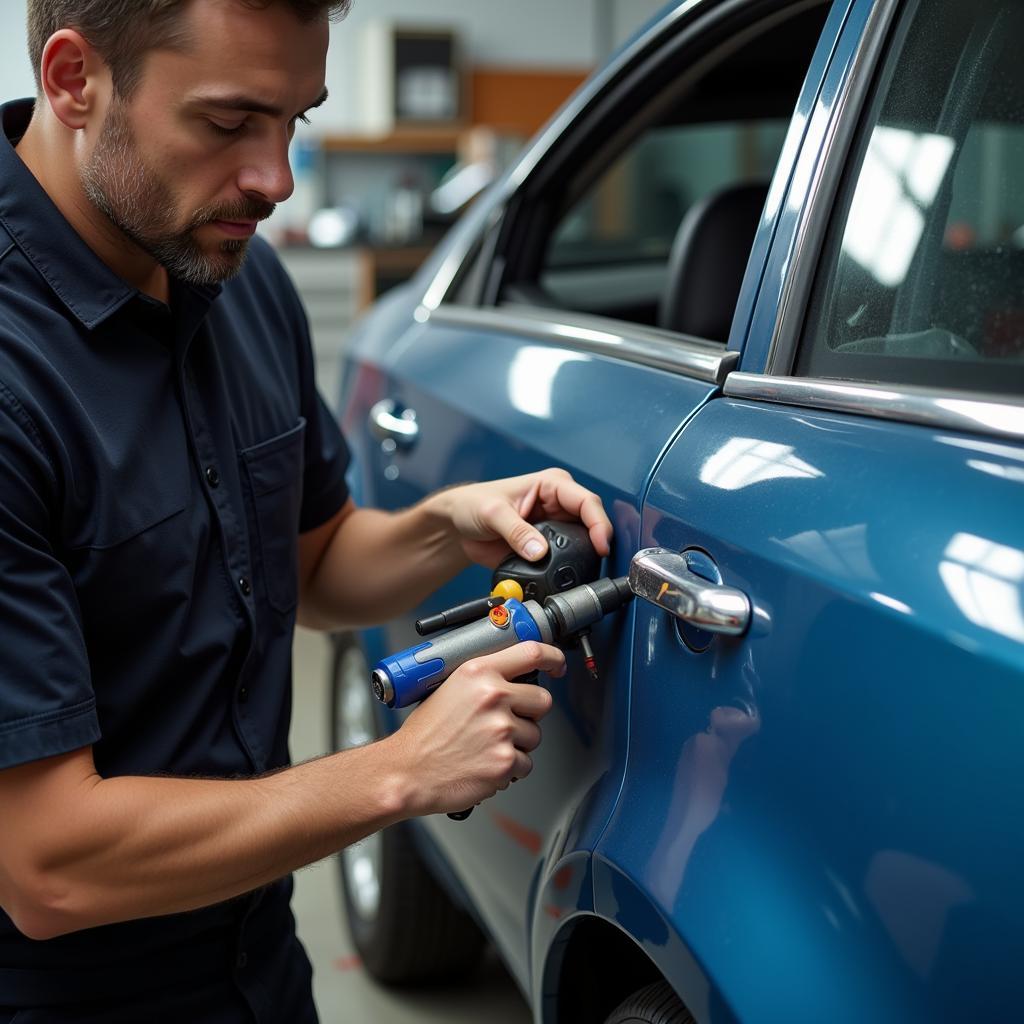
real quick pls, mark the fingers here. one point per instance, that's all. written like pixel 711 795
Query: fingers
pixel 527 501
pixel 522 767
pixel 529 656
pixel 526 735
pixel 560 493
pixel 504 519
pixel 550 493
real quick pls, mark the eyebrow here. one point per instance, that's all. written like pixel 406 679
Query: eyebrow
pixel 250 105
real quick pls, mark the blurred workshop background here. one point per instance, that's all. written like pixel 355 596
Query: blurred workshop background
pixel 428 103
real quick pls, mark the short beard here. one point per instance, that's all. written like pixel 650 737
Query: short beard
pixel 142 206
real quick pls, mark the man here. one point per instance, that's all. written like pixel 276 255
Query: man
pixel 172 495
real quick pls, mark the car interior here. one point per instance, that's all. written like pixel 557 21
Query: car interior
pixel 648 213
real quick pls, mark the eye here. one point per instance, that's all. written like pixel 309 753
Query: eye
pixel 220 129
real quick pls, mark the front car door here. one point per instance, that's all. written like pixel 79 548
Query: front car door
pixel 840 830
pixel 547 335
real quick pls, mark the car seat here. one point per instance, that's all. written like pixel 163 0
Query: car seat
pixel 709 256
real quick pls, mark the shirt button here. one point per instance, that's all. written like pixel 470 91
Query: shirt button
pixel 245 586
pixel 243 695
pixel 242 961
pixel 212 476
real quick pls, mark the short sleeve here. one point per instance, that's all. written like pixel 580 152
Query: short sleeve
pixel 47 705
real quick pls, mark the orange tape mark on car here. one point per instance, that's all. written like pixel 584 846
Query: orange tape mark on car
pixel 563 877
pixel 348 963
pixel 527 838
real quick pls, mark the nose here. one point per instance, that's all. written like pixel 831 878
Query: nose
pixel 269 175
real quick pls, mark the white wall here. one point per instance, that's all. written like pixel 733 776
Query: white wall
pixel 15 70
pixel 510 33
pixel 629 15
pixel 524 33
pixel 527 33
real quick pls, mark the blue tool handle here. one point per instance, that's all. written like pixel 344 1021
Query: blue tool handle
pixel 411 675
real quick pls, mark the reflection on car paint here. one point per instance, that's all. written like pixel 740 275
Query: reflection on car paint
pixel 531 378
pixel 702 775
pixel 984 580
pixel 914 899
pixel 837 552
pixel 743 461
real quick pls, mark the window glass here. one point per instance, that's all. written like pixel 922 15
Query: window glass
pixel 923 281
pixel 611 253
pixel 636 207
pixel 649 215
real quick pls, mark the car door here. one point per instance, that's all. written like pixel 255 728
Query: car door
pixel 837 831
pixel 538 342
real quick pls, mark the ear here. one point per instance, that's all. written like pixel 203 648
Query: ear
pixel 74 78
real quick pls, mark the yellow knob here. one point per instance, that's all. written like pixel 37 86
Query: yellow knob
pixel 508 589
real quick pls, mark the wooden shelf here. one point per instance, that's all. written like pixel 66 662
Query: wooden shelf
pixel 405 140
pixel 381 268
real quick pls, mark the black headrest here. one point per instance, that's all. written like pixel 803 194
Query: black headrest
pixel 709 256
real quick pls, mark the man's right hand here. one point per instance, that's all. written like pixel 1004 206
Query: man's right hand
pixel 474 735
pixel 78 851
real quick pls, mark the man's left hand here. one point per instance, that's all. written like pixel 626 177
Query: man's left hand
pixel 495 517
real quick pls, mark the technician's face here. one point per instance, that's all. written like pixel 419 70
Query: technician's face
pixel 198 154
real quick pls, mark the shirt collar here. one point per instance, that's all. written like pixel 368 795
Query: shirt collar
pixel 79 278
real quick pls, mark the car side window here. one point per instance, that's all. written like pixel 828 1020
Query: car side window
pixel 922 279
pixel 651 220
pixel 611 251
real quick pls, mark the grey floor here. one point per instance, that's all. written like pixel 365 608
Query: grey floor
pixel 343 990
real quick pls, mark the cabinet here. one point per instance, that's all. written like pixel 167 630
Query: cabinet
pixel 409 76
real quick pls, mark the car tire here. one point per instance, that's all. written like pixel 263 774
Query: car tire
pixel 654 1004
pixel 404 926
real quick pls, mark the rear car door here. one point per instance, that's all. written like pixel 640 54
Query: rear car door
pixel 841 831
pixel 549 335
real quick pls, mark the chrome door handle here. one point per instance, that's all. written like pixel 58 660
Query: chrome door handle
pixel 662 577
pixel 388 423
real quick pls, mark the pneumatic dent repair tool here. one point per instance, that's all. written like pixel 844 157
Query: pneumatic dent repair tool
pixel 553 601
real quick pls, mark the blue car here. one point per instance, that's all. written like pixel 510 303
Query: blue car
pixel 760 285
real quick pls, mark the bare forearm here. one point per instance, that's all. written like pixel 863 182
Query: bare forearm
pixel 140 847
pixel 380 564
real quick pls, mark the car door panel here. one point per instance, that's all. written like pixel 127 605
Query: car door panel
pixel 840 814
pixel 558 406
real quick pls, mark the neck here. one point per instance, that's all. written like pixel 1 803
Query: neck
pixel 52 153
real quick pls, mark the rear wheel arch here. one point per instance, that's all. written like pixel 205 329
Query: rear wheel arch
pixel 593 965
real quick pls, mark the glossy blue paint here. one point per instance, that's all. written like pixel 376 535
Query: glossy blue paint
pixel 834 791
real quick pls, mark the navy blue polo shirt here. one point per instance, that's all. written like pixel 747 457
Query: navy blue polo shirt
pixel 157 464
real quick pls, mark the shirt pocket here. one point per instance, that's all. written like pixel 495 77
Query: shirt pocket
pixel 274 469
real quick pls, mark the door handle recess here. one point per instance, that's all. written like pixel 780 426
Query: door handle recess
pixel 389 423
pixel 661 576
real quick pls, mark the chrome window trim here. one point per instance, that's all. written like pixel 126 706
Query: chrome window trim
pixel 817 206
pixel 691 357
pixel 969 411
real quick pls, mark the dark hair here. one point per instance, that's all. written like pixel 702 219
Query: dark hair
pixel 122 31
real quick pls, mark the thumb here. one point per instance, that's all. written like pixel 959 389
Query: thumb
pixel 521 537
